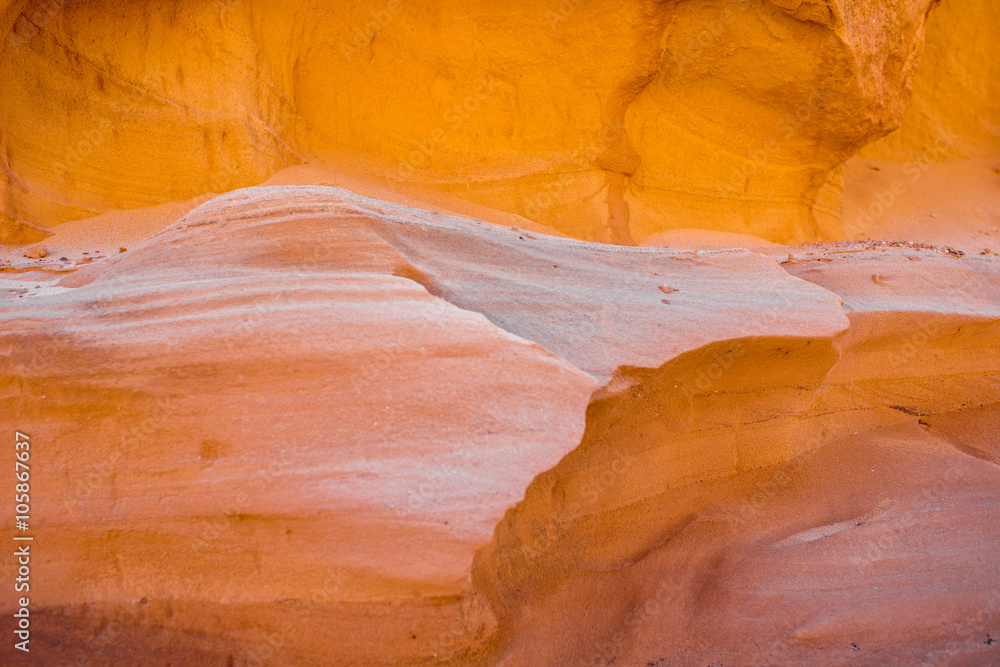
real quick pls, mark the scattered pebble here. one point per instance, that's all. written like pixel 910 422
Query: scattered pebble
pixel 666 289
pixel 120 250
pixel 877 279
pixel 66 259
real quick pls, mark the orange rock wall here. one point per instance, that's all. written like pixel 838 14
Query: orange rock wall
pixel 609 121
pixel 955 111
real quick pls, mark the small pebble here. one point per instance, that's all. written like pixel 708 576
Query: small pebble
pixel 121 250
pixel 877 279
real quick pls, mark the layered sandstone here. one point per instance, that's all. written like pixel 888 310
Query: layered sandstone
pixel 733 116
pixel 302 413
pixel 394 333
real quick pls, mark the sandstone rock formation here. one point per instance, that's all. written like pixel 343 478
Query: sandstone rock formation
pixel 727 115
pixel 299 385
pixel 394 333
pixel 955 111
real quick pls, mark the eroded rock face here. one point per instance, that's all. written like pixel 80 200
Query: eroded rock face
pixel 756 104
pixel 272 376
pixel 609 121
pixel 955 112
pixel 303 424
pixel 302 413
pixel 693 495
pixel 260 412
